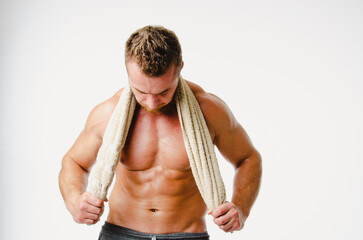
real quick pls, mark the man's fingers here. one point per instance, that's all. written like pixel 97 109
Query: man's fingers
pixel 236 226
pixel 92 200
pixel 86 207
pixel 231 229
pixel 90 222
pixel 91 216
pixel 227 217
pixel 224 219
pixel 221 210
pixel 228 226
pixel 87 218
pixel 220 220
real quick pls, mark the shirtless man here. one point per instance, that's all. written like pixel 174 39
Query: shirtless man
pixel 155 194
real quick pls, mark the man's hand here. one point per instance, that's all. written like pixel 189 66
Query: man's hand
pixel 228 217
pixel 87 209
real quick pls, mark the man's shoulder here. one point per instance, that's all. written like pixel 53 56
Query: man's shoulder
pixel 100 114
pixel 108 106
pixel 215 110
pixel 208 102
pixel 202 96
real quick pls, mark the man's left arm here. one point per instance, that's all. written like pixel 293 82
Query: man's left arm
pixel 234 144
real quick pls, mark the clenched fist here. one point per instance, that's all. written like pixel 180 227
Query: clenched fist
pixel 86 208
pixel 228 217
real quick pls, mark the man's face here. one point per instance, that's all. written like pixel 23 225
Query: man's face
pixel 152 93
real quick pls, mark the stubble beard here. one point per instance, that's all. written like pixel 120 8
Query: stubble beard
pixel 160 108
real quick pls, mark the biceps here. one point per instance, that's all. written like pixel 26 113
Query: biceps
pixel 84 150
pixel 235 145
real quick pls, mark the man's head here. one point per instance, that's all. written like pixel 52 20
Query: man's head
pixel 153 61
pixel 154 49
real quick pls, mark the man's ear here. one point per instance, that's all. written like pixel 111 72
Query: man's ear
pixel 181 67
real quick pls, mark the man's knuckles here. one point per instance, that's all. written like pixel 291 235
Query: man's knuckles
pixel 83 218
pixel 79 219
pixel 225 227
pixel 87 209
pixel 227 218
pixel 98 211
pixel 96 202
pixel 86 197
pixel 220 221
pixel 222 209
pixel 83 206
pixel 218 212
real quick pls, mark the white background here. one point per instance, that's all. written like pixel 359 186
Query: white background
pixel 291 71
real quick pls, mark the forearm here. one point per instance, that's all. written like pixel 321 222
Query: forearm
pixel 72 180
pixel 247 183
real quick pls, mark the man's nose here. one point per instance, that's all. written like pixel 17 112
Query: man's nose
pixel 152 102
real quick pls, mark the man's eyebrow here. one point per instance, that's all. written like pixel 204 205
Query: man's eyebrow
pixel 140 90
pixel 155 94
pixel 164 91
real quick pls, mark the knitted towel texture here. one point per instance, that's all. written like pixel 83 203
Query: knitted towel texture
pixel 197 140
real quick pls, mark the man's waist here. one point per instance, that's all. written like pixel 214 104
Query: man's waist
pixel 118 230
pixel 158 222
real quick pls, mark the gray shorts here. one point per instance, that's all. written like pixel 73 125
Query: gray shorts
pixel 114 232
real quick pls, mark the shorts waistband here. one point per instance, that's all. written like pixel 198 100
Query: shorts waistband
pixel 116 229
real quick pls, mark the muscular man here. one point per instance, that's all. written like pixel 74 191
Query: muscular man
pixel 155 193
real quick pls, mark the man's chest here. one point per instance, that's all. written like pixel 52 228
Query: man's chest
pixel 155 141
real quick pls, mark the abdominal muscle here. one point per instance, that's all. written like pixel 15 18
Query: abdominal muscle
pixel 157 200
pixel 155 191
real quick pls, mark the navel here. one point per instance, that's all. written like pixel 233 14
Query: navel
pixel 153 210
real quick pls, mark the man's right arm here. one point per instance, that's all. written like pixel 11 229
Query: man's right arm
pixel 77 163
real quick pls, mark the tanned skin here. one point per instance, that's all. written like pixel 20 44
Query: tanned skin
pixel 154 190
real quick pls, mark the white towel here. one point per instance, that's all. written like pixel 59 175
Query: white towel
pixel 197 140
